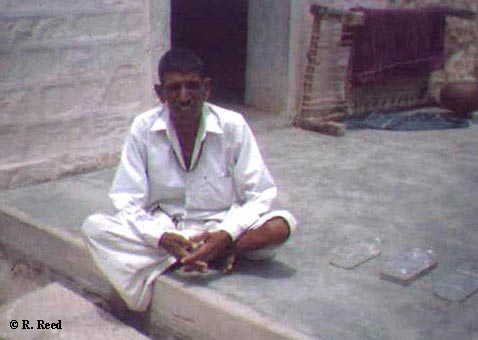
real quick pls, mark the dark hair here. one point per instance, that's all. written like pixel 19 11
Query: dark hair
pixel 181 60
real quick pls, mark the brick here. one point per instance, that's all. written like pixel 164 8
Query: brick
pixel 57 59
pixel 137 5
pixel 95 25
pixel 79 136
pixel 53 28
pixel 110 129
pixel 56 137
pixel 15 106
pixel 13 142
pixel 60 99
pixel 7 62
pixel 93 94
pixel 314 44
pixel 28 6
pixel 316 124
pixel 78 61
pixel 125 90
pixel 8 130
pixel 131 23
pixel 310 69
pixel 309 78
pixel 313 54
pixel 126 86
pixel 20 107
pixel 111 123
pixel 132 52
pixel 44 139
pixel 29 65
pixel 15 30
pixel 101 60
pixel 5 4
pixel 312 60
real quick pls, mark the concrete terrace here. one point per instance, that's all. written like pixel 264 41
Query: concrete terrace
pixel 409 189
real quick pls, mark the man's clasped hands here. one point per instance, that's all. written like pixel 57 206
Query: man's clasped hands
pixel 197 252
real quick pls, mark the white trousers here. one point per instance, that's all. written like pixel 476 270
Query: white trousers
pixel 132 265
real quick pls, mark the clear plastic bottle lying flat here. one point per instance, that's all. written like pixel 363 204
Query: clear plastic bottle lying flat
pixel 409 265
pixel 353 254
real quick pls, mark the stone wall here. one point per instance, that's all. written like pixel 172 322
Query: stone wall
pixel 267 77
pixel 72 75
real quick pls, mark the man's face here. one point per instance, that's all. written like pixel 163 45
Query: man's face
pixel 184 93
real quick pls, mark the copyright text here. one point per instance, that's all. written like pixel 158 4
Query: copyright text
pixel 34 324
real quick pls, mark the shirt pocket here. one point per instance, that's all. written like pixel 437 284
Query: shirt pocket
pixel 213 191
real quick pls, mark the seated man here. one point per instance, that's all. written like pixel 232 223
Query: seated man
pixel 191 188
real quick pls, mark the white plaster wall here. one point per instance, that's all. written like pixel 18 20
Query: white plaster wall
pixel 72 76
pixel 160 27
pixel 267 78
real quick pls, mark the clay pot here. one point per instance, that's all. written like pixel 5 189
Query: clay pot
pixel 460 97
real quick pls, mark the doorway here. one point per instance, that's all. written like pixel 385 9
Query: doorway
pixel 217 31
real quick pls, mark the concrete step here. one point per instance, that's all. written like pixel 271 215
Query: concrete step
pixel 42 222
pixel 55 312
pixel 410 189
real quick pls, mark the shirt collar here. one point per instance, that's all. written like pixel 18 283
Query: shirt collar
pixel 162 120
pixel 211 119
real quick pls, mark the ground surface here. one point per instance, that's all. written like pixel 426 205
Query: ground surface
pixel 18 278
pixel 408 189
pixel 54 312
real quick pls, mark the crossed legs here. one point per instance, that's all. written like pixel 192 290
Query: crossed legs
pixel 131 265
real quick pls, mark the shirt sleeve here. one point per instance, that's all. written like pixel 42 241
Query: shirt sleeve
pixel 129 192
pixel 254 186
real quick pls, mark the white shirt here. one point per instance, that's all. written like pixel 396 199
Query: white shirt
pixel 228 181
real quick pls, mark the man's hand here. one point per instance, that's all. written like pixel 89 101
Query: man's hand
pixel 214 244
pixel 176 245
pixel 180 247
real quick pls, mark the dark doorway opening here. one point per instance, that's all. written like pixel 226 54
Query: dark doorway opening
pixel 217 31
